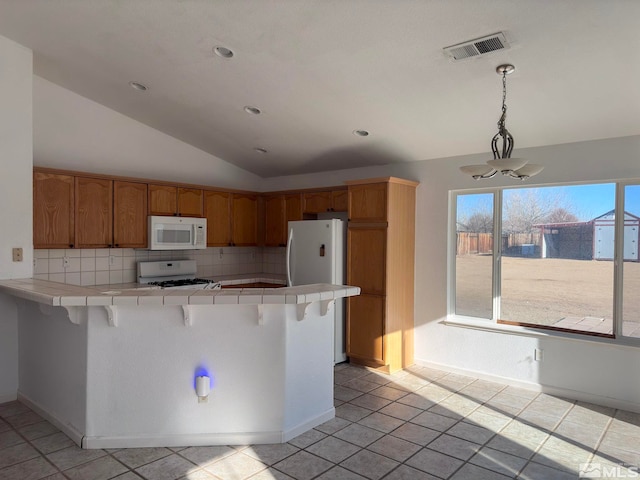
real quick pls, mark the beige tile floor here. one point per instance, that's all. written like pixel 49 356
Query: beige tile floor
pixel 419 424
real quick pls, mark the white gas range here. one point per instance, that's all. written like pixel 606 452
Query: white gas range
pixel 173 274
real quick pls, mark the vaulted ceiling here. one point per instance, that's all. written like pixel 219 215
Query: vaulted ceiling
pixel 318 70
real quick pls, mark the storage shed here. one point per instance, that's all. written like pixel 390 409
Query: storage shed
pixel 592 240
pixel 604 230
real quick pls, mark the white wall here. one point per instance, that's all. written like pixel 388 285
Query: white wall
pixel 75 133
pixel 580 368
pixel 15 194
pixel 53 364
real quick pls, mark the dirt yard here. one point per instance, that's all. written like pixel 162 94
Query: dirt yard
pixel 543 291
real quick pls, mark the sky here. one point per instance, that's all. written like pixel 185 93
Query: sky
pixel 584 201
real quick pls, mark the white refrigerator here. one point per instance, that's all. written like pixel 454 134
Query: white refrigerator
pixel 316 254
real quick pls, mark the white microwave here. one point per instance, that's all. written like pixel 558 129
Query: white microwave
pixel 177 233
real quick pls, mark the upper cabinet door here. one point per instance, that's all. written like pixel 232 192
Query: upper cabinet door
pixel 190 202
pixel 163 200
pixel 275 221
pixel 339 200
pixel 129 214
pixel 293 210
pixel 53 216
pixel 245 219
pixel 368 202
pixel 217 210
pixel 316 202
pixel 94 212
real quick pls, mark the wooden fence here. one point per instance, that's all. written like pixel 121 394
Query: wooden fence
pixel 474 243
pixel 470 243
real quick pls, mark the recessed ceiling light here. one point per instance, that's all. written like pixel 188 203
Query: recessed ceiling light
pixel 252 110
pixel 260 150
pixel 361 133
pixel 138 86
pixel 223 52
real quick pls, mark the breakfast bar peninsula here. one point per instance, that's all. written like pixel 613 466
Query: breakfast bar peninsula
pixel 118 368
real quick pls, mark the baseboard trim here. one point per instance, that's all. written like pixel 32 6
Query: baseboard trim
pixel 181 440
pixel 204 439
pixel 548 389
pixel 69 430
pixel 308 425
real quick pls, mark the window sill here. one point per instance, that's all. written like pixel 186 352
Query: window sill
pixel 491 326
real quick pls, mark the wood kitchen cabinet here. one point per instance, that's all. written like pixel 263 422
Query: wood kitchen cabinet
pixel 171 200
pixel 190 202
pixel 232 218
pixel 244 220
pixel 53 210
pixel 325 201
pixel 367 317
pixel 367 258
pixel 368 203
pixel 217 211
pixel 274 221
pixel 93 212
pixel 129 214
pixel 163 200
pixel 85 212
pixel 380 260
pixel 292 211
pixel 279 211
pixel 339 200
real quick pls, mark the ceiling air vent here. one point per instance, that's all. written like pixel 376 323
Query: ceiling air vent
pixel 479 46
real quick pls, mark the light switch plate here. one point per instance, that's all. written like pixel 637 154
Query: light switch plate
pixel 17 254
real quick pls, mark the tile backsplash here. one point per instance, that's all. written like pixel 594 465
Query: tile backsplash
pixel 101 266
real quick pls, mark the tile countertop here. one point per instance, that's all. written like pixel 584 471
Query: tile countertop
pixel 61 294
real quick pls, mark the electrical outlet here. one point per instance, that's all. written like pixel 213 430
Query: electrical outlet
pixel 538 354
pixel 65 262
pixel 17 254
pixel 220 254
pixel 112 259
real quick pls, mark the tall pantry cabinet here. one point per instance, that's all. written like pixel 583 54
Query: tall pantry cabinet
pixel 380 260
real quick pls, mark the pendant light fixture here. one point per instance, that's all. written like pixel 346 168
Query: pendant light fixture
pixel 502 146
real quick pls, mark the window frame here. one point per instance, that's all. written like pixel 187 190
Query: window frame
pixel 494 324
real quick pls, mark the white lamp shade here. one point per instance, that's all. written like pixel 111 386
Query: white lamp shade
pixel 502 164
pixel 475 170
pixel 529 170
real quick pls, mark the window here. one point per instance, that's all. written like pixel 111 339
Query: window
pixel 474 261
pixel 544 258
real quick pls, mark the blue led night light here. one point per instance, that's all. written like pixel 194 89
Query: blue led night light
pixel 202 371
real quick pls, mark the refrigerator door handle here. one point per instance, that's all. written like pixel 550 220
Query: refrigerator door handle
pixel 289 242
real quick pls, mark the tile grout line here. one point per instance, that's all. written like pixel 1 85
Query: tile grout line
pixel 530 460
pixel 605 430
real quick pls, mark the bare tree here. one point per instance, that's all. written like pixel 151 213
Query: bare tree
pixel 480 222
pixel 561 215
pixel 526 207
